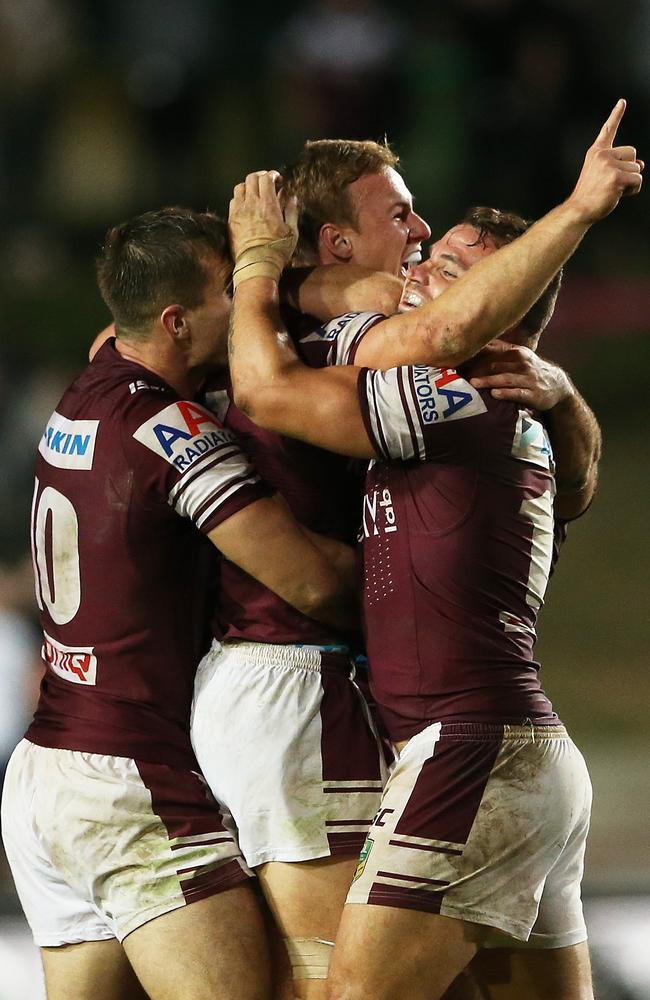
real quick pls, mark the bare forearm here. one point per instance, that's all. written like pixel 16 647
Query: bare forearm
pixel 277 391
pixel 489 299
pixel 259 348
pixel 576 441
pixel 316 578
pixel 335 289
pixel 343 559
pixel 496 293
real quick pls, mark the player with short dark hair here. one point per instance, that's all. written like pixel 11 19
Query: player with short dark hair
pixel 110 830
pixel 156 258
pixel 480 838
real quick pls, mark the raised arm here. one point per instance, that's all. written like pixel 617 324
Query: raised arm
pixel 270 383
pixel 497 292
pixel 280 393
pixel 277 391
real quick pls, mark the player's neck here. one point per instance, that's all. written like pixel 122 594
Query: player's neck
pixel 171 369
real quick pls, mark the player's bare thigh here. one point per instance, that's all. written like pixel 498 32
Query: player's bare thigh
pixel 389 953
pixel 91 970
pixel 307 899
pixel 560 973
pixel 215 947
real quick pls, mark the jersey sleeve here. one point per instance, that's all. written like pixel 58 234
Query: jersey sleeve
pixel 414 411
pixel 336 342
pixel 182 454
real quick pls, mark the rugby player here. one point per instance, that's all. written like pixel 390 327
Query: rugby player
pixel 109 828
pixel 356 211
pixel 480 837
pixel 280 687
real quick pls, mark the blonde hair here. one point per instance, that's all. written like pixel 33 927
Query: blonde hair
pixel 320 179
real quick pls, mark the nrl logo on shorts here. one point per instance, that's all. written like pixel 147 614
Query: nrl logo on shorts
pixel 363 858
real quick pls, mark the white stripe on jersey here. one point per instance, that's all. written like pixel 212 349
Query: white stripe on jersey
pixel 235 485
pixel 403 403
pixel 344 332
pixel 220 454
pixel 212 487
pixel 408 395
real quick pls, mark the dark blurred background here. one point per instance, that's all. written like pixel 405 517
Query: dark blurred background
pixel 111 107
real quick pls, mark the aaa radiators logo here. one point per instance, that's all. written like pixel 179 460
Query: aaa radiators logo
pixel 182 433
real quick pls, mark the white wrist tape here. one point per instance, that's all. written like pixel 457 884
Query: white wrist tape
pixel 266 259
pixel 310 957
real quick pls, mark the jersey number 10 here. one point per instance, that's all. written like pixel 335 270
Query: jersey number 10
pixel 55 548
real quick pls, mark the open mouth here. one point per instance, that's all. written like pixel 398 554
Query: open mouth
pixel 413 258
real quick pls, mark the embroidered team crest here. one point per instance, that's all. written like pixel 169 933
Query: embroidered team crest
pixel 363 858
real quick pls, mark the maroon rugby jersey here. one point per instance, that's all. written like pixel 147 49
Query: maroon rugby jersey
pixel 458 544
pixel 127 471
pixel 323 490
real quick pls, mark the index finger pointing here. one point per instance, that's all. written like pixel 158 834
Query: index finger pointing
pixel 608 132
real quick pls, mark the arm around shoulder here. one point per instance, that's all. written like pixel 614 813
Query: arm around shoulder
pixel 267 542
pixel 576 440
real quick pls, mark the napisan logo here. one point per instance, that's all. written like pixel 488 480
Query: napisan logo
pixel 182 433
pixel 442 394
pixel 69 444
pixel 77 664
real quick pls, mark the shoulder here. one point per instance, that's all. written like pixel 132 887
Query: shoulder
pixel 411 410
pixel 335 342
pixel 179 431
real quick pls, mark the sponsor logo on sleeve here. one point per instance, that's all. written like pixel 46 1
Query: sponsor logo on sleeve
pixel 183 433
pixel 443 394
pixel 69 444
pixel 531 443
pixel 77 664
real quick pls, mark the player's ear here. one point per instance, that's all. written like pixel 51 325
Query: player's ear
pixel 334 242
pixel 174 322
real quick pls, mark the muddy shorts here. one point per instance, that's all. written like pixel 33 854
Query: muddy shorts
pixel 485 823
pixel 100 845
pixel 286 742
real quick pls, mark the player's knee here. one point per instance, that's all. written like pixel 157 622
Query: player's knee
pixel 310 957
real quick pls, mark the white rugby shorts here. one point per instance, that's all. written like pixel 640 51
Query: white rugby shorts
pixel 485 823
pixel 285 740
pixel 100 845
